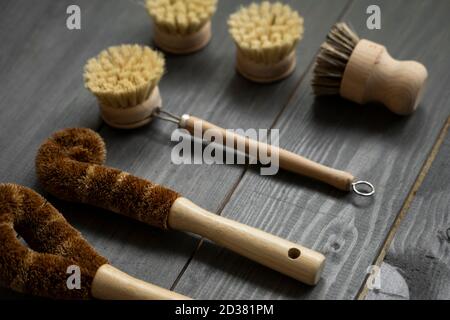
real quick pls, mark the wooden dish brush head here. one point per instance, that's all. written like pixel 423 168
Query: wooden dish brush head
pixel 181 26
pixel 363 71
pixel 125 81
pixel 41 268
pixel 266 36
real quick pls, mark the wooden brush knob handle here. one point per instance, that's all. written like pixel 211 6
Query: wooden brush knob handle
pixel 287 160
pixel 372 75
pixel 281 255
pixel 112 284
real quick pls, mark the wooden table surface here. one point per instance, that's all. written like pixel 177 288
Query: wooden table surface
pixel 42 90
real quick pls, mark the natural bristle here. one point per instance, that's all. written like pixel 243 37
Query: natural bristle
pixel 69 165
pixel 124 76
pixel 266 32
pixel 332 59
pixel 181 16
pixel 39 265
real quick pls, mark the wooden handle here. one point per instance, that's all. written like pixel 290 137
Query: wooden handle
pixel 112 284
pixel 281 255
pixel 287 160
pixel 372 75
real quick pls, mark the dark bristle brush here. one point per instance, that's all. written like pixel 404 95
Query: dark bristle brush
pixel 53 246
pixel 362 71
pixel 70 166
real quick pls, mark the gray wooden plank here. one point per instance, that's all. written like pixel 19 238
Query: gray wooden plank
pixel 367 141
pixel 42 91
pixel 205 85
pixel 47 60
pixel 421 247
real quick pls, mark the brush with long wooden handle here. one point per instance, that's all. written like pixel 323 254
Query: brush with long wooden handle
pixel 70 166
pixel 287 160
pixel 54 247
pixel 125 81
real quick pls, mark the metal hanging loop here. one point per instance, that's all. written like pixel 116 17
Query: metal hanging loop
pixel 356 186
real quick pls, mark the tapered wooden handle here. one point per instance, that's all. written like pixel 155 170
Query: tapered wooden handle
pixel 112 284
pixel 287 160
pixel 281 255
pixel 372 75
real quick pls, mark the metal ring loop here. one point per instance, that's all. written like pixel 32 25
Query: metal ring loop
pixel 363 193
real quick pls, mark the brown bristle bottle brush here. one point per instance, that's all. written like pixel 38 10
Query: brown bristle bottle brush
pixel 70 166
pixel 266 36
pixel 54 247
pixel 181 26
pixel 125 81
pixel 363 71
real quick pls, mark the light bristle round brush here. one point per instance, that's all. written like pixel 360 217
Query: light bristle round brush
pixel 128 94
pixel 70 166
pixel 125 81
pixel 266 36
pixel 363 71
pixel 181 26
pixel 41 269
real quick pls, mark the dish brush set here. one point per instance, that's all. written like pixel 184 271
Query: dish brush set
pixel 70 164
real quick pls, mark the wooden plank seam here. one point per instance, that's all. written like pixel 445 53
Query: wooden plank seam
pixel 276 119
pixel 406 205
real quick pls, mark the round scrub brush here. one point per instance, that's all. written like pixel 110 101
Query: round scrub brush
pixel 70 166
pixel 363 71
pixel 266 36
pixel 125 81
pixel 41 269
pixel 181 26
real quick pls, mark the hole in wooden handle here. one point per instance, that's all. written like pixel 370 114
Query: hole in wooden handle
pixel 294 253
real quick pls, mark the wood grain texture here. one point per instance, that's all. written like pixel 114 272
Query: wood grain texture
pixel 421 248
pixel 46 60
pixel 367 141
pixel 42 91
pixel 205 85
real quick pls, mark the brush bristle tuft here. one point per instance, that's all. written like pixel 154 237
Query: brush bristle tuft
pixel 124 76
pixel 181 16
pixel 267 32
pixel 332 59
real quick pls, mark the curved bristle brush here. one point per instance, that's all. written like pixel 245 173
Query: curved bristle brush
pixel 70 166
pixel 54 245
pixel 125 81
pixel 363 71
pixel 266 36
pixel 181 26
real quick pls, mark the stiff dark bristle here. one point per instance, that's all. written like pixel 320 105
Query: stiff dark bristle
pixel 70 166
pixel 40 267
pixel 332 59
